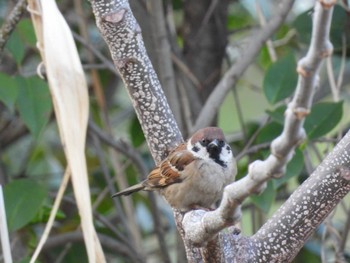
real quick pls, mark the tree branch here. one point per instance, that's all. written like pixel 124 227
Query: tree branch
pixel 231 77
pixel 122 34
pixel 10 23
pixel 106 241
pixel 120 146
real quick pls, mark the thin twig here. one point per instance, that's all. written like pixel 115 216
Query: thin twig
pixel 206 18
pixel 185 69
pixel 158 228
pixel 130 227
pixel 97 53
pixel 269 43
pixel 230 78
pixel 77 237
pixel 343 63
pixel 331 78
pixel 239 112
pixel 345 232
pixel 10 23
pixel 120 146
pixel 252 139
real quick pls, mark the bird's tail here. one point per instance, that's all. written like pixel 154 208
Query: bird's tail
pixel 130 190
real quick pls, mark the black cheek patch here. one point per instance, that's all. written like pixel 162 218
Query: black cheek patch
pixel 228 148
pixel 195 149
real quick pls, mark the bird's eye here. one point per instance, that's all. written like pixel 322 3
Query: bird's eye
pixel 221 143
pixel 204 142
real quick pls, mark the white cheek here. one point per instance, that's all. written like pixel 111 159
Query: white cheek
pixel 202 153
pixel 226 155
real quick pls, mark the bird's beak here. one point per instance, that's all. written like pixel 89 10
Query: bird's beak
pixel 213 147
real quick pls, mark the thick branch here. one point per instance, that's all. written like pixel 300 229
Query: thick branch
pixel 289 228
pixel 282 148
pixel 231 77
pixel 123 37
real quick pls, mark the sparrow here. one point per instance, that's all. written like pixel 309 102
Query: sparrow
pixel 194 174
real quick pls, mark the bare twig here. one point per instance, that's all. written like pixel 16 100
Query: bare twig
pixel 184 68
pixel 10 23
pixel 269 43
pixel 229 80
pixel 120 146
pixel 342 65
pixel 110 185
pixel 97 53
pixel 345 232
pixel 77 237
pixel 158 228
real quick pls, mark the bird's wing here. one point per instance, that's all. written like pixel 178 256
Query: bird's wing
pixel 170 170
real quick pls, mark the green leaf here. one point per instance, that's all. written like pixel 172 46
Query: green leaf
pixel 294 168
pixel 42 216
pixel 303 26
pixel 269 132
pixel 238 16
pixel 16 47
pixel 136 133
pixel 265 199
pixel 280 79
pixel 277 114
pixel 34 104
pixel 8 90
pixel 339 28
pixel 23 199
pixel 26 31
pixel 323 118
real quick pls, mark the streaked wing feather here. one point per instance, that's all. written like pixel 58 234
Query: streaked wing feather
pixel 168 171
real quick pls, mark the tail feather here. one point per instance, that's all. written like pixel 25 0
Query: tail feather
pixel 130 190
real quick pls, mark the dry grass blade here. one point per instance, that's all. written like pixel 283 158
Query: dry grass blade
pixel 53 213
pixel 70 98
pixel 4 233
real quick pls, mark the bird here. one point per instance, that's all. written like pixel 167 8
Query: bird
pixel 194 174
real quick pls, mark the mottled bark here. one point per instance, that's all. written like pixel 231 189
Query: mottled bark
pixel 122 33
pixel 281 238
pixel 10 23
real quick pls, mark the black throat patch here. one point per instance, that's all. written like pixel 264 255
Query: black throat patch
pixel 216 158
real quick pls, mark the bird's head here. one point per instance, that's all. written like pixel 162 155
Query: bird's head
pixel 209 144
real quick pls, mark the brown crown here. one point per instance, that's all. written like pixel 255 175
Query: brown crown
pixel 208 133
